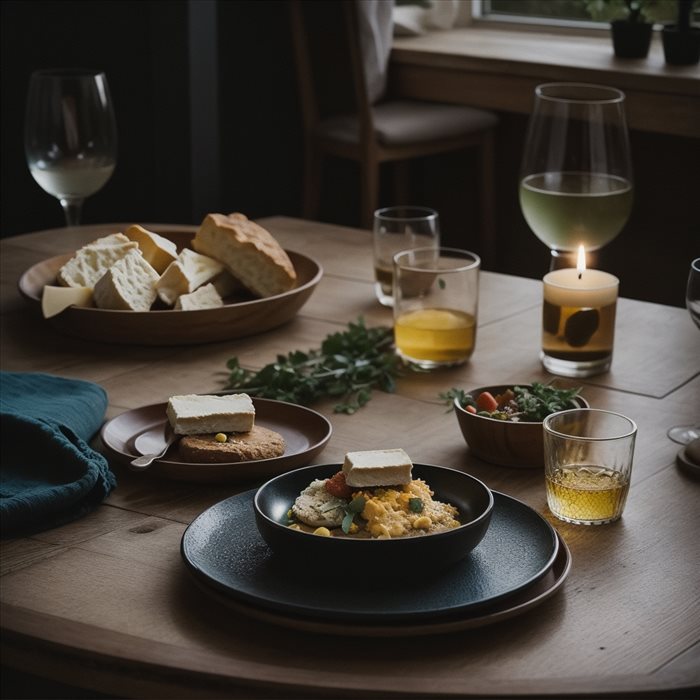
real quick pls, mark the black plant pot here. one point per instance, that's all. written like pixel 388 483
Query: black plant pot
pixel 631 39
pixel 681 48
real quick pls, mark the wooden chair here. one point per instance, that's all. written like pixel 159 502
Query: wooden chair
pixel 389 130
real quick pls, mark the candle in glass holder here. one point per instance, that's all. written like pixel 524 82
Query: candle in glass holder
pixel 578 320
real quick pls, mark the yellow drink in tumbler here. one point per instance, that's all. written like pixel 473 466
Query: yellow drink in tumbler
pixel 435 335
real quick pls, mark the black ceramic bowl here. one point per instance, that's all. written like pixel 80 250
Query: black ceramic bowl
pixel 402 555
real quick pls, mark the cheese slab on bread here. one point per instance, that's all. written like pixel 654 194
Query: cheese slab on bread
pixel 128 285
pixel 190 271
pixel 156 249
pixel 195 414
pixel 251 254
pixel 371 468
pixel 91 262
pixel 56 299
pixel 206 297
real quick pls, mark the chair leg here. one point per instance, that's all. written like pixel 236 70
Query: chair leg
pixel 488 213
pixel 369 191
pixel 313 164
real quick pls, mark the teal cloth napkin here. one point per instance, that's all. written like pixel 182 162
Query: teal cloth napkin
pixel 49 475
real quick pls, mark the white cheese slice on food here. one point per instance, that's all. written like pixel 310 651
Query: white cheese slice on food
pixel 110 239
pixel 91 262
pixel 206 297
pixel 157 249
pixel 193 414
pixel 371 468
pixel 129 285
pixel 56 299
pixel 184 275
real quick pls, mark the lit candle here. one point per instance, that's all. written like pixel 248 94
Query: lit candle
pixel 578 320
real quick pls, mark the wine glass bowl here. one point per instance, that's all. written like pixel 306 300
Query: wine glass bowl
pixel 576 174
pixel 70 135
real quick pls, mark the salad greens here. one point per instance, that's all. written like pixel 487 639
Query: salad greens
pixel 521 403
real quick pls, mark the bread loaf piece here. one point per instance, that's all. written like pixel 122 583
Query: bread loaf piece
pixel 206 297
pixel 128 285
pixel 184 275
pixel 195 414
pixel 250 253
pixel 156 249
pixel 56 299
pixel 377 468
pixel 91 261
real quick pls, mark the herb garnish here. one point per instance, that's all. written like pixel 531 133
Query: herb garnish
pixel 349 364
pixel 415 505
pixel 357 505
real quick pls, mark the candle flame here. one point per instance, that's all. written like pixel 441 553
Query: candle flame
pixel 581 261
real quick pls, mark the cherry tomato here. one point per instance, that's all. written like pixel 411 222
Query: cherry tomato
pixel 337 487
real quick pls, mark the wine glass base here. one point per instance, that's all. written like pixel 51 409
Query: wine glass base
pixel 684 434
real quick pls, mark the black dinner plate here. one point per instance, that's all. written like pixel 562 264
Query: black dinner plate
pixel 223 549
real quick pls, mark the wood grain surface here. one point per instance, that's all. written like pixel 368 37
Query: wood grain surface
pixel 109 594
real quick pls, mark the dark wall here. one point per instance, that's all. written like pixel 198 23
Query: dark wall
pixel 252 139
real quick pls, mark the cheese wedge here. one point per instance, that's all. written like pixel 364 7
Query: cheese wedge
pixel 111 239
pixel 226 285
pixel 377 468
pixel 205 297
pixel 129 285
pixel 91 262
pixel 193 414
pixel 56 299
pixel 156 249
pixel 184 275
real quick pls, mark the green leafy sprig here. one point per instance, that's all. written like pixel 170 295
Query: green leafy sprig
pixel 348 365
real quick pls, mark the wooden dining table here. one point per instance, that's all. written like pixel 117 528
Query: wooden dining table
pixel 106 603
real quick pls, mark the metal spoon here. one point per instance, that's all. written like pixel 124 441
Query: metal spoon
pixel 152 444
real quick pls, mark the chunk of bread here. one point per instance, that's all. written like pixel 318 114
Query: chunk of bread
pixel 377 468
pixel 190 271
pixel 257 443
pixel 195 414
pixel 91 261
pixel 156 249
pixel 318 508
pixel 128 285
pixel 250 253
pixel 206 297
pixel 57 299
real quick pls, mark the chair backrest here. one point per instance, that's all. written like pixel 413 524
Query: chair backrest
pixel 329 64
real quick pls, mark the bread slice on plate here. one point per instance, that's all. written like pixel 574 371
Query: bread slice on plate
pixel 250 253
pixel 258 443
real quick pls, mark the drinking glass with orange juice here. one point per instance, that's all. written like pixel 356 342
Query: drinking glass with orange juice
pixel 436 297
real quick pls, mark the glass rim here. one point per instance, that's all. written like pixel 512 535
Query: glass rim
pixel 695 264
pixel 461 252
pixel 615 96
pixel 67 73
pixel 392 213
pixel 582 438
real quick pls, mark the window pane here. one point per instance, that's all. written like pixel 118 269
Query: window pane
pixel 550 9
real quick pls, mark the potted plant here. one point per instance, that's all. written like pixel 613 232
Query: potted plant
pixel 681 40
pixel 631 22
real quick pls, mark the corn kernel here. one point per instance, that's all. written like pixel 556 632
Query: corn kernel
pixel 322 531
pixel 220 437
pixel 422 523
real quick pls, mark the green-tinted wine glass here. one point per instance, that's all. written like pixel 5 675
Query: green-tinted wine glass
pixel 576 174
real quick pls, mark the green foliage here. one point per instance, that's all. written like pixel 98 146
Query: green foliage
pixel 632 10
pixel 349 365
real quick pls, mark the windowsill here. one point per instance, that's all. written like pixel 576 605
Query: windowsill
pixel 497 68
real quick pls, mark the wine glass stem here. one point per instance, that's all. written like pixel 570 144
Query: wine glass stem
pixel 72 208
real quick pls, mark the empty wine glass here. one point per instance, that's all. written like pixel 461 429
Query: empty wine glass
pixel 70 135
pixel 685 434
pixel 576 174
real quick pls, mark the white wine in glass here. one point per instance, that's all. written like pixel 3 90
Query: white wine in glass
pixel 70 135
pixel 576 175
